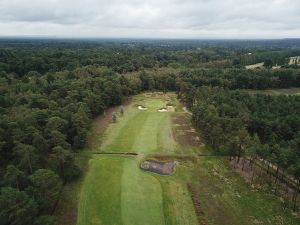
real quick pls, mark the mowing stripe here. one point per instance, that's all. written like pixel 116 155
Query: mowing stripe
pixel 141 199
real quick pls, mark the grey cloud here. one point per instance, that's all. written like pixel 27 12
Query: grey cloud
pixel 154 18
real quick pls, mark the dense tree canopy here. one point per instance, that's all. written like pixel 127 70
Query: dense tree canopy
pixel 50 91
pixel 236 123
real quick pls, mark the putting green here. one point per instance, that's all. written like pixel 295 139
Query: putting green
pixel 116 191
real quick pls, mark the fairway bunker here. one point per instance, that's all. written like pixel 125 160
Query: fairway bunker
pixel 162 168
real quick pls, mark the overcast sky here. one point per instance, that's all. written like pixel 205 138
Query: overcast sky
pixel 151 18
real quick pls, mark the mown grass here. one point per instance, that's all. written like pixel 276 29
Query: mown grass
pixel 101 193
pixel 141 131
pixel 116 191
pixel 141 197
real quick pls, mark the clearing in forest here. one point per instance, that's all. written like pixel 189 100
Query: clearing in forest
pixel 255 66
pixel 278 91
pixel 201 190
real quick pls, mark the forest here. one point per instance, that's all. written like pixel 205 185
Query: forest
pixel 50 91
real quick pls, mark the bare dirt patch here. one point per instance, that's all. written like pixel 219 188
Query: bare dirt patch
pixel 163 168
pixel 197 205
pixel 183 132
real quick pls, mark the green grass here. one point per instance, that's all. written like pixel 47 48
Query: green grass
pixel 141 197
pixel 116 191
pixel 287 91
pixel 141 131
pixel 101 193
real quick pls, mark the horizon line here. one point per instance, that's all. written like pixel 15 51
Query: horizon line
pixel 143 38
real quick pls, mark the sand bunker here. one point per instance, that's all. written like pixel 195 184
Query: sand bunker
pixel 162 110
pixel 163 168
pixel 140 107
pixel 169 108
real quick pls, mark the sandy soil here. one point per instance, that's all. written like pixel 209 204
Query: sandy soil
pixel 140 107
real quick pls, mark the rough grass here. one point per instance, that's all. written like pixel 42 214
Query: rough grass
pixel 288 91
pixel 227 199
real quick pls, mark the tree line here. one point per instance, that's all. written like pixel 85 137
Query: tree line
pixel 240 125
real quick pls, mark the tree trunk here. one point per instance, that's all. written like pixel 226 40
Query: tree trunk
pixel 296 195
pixel 252 178
pixel 30 167
pixel 277 170
pixel 239 154
pixel 62 170
pixel 251 163
pixel 243 164
pixel 282 176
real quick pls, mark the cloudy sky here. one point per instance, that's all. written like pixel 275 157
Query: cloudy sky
pixel 151 18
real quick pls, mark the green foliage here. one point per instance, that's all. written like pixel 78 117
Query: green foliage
pixel 46 187
pixel 238 124
pixel 16 207
pixel 45 220
pixel 51 91
pixel 14 178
